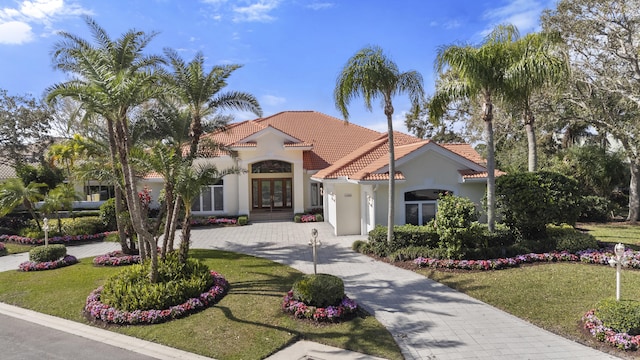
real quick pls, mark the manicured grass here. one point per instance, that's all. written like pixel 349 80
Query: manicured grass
pixel 246 324
pixel 17 248
pixel 615 233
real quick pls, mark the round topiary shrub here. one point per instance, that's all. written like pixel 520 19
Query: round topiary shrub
pixel 47 253
pixel 320 290
pixel 131 290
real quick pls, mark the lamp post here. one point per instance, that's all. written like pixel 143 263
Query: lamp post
pixel 45 226
pixel 618 262
pixel 314 242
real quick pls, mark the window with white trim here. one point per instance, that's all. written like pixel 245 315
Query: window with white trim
pixel 211 198
pixel 420 206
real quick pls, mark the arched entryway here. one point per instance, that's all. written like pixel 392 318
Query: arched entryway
pixel 271 190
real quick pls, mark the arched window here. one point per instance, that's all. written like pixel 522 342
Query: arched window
pixel 270 167
pixel 420 205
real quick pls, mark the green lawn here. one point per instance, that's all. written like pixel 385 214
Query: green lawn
pixel 249 315
pixel 16 248
pixel 615 233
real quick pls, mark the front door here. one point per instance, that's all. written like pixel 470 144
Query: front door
pixel 271 194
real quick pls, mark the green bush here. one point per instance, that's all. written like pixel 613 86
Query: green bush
pixel 130 289
pixel 622 316
pixel 414 252
pixel 569 239
pixel 403 236
pixel 82 226
pixel 529 201
pixel 243 220
pixel 360 246
pixel 319 218
pixel 47 253
pixel 596 208
pixel 297 218
pixel 319 290
pixel 108 214
pixel 454 221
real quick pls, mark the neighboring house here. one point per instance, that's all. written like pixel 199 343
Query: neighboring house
pixel 299 160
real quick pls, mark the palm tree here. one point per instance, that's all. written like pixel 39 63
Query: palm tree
pixel 476 71
pixel 110 79
pixel 199 92
pixel 372 75
pixel 536 64
pixel 13 193
pixel 59 198
pixel 189 183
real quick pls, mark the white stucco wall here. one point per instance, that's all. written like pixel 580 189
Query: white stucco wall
pixel 347 209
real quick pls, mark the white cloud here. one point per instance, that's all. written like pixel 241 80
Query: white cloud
pixel 256 12
pixel 272 100
pixel 15 32
pixel 17 24
pixel 320 5
pixel 524 14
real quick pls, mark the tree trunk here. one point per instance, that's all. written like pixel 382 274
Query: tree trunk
pixel 135 207
pixel 122 234
pixel 388 110
pixel 531 141
pixel 174 222
pixel 491 165
pixel 169 204
pixel 186 236
pixel 195 131
pixel 634 189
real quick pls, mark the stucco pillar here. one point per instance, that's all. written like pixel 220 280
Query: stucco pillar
pixel 298 187
pixel 244 203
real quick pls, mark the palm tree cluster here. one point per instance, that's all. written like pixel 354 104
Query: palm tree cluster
pixel 148 107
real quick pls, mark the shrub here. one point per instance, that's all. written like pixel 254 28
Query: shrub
pixel 360 246
pixel 47 253
pixel 131 290
pixel 243 220
pixel 82 226
pixel 319 217
pixel 529 201
pixel 108 214
pixel 297 218
pixel 414 252
pixel 570 239
pixel 403 236
pixel 454 224
pixel 319 290
pixel 596 208
pixel 622 316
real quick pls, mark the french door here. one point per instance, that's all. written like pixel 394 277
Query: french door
pixel 270 194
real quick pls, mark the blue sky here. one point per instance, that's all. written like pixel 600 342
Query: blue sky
pixel 291 50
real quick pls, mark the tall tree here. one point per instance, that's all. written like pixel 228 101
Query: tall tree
pixel 110 79
pixel 199 92
pixel 373 75
pixel 603 43
pixel 59 198
pixel 23 129
pixel 536 63
pixel 476 71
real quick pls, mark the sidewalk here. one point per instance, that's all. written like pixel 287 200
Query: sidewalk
pixel 428 320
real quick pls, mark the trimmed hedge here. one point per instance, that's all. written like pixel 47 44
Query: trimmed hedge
pixel 403 236
pixel 47 253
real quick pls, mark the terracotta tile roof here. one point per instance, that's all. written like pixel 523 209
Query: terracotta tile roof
pixel 472 174
pixel 465 150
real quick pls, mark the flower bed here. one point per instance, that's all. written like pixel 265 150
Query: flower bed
pixel 301 310
pixel 607 335
pixel 67 239
pixel 495 264
pixel 213 221
pixel 116 258
pixel 48 265
pixel 99 311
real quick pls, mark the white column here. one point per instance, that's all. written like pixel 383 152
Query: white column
pixel 298 187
